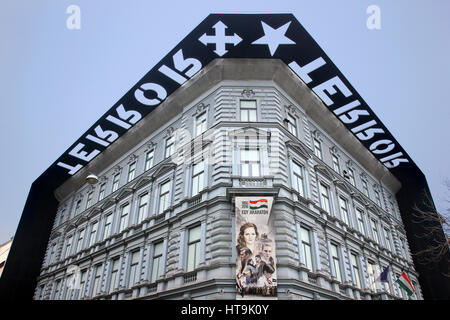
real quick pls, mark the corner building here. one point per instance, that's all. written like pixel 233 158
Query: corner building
pixel 159 224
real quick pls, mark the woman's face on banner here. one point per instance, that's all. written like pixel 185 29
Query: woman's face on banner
pixel 249 235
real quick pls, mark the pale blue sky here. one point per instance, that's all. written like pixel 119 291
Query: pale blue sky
pixel 55 82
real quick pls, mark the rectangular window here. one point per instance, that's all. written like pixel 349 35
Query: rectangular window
pixel 336 166
pixel 55 295
pixel 198 178
pixel 164 199
pixel 324 197
pixel 97 278
pixel 80 292
pixel 365 187
pixel 131 171
pixel 80 240
pixel 343 208
pixel 351 176
pixel 317 148
pixel 124 213
pixel 52 254
pixel 142 209
pixel 306 247
pixel 200 124
pixel 68 247
pixel 336 262
pixel 377 198
pixel 114 274
pixel 248 110
pixel 298 182
pixel 149 159
pixel 134 275
pixel 115 185
pixel 93 234
pixel 78 207
pixel 355 269
pixel 193 252
pixel 170 147
pixel 250 162
pixel 359 218
pixel 387 239
pixel 108 226
pixel 291 124
pixel 156 264
pixel 101 193
pixel 371 271
pixel 374 230
pixel 89 199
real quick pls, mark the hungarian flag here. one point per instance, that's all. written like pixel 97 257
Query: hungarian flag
pixel 258 204
pixel 404 282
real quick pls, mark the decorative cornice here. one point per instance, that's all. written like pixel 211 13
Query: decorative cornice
pixel 248 93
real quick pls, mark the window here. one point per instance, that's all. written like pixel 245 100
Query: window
pixel 80 292
pixel 377 197
pixel 142 209
pixel 200 124
pixel 115 185
pixel 89 199
pixel 131 171
pixel 193 252
pixel 68 246
pixel 77 207
pixel 170 143
pixel 93 234
pixel 149 159
pixel 335 261
pixel 374 230
pixel 52 253
pixel 359 218
pixel 317 148
pixel 114 274
pixel 351 176
pixel 134 274
pixel 108 226
pixel 306 247
pixel 97 282
pixel 291 124
pixel 198 170
pixel 336 166
pixel 343 208
pixel 55 294
pixel 387 238
pixel 61 217
pixel 101 193
pixel 355 269
pixel 324 197
pixel 371 270
pixel 80 240
pixel 164 200
pixel 297 178
pixel 124 212
pixel 156 264
pixel 248 110
pixel 365 188
pixel 250 162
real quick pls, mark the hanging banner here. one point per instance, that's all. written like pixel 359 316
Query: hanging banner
pixel 256 274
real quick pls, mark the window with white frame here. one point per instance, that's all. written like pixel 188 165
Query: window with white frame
pixel 374 230
pixel 343 208
pixel 80 292
pixel 193 248
pixel 336 261
pixel 200 124
pixel 97 280
pixel 92 236
pixel 80 239
pixel 365 187
pixel 131 171
pixel 387 238
pixel 298 182
pixel 101 193
pixel 248 110
pixel 324 197
pixel 164 197
pixel 198 177
pixel 336 166
pixel 306 246
pixel 360 220
pixel 250 162
pixel 317 148
pixel 156 261
pixel 377 198
pixel 134 274
pixel 351 176
pixel 89 199
pixel 52 253
pixel 57 286
pixel 291 124
pixel 114 274
pixel 170 147
pixel 142 207
pixel 124 215
pixel 355 269
pixel 115 184
pixel 77 207
pixel 108 226
pixel 68 246
pixel 371 271
pixel 149 156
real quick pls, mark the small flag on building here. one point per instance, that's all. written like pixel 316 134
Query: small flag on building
pixel 383 275
pixel 404 282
